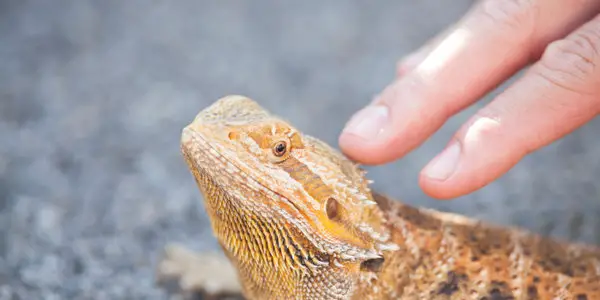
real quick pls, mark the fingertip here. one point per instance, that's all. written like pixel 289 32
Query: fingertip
pixel 436 189
pixel 481 152
pixel 392 125
pixel 463 183
pixel 359 150
pixel 374 135
pixel 460 184
pixel 435 177
pixel 366 135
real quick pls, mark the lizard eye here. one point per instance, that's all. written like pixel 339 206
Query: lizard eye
pixel 280 148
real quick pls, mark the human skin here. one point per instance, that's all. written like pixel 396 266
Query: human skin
pixel 560 91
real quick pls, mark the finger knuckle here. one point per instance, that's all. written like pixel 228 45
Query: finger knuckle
pixel 484 125
pixel 574 60
pixel 490 124
pixel 514 14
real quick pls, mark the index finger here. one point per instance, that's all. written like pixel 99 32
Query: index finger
pixel 491 43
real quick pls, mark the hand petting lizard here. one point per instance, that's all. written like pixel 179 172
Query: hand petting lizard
pixel 297 220
pixel 557 94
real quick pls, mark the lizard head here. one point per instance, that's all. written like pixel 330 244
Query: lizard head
pixel 277 195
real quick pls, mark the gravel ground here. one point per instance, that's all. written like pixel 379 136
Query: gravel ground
pixel 94 95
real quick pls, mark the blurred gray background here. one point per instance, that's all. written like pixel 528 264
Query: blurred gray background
pixel 94 95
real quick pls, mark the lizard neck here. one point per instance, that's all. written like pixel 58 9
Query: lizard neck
pixel 416 233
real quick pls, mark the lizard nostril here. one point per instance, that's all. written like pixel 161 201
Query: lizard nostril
pixel 232 135
pixel 331 208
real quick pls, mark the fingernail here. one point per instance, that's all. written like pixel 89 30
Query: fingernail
pixel 368 122
pixel 444 165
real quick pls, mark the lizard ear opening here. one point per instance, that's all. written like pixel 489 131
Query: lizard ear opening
pixel 331 208
pixel 372 265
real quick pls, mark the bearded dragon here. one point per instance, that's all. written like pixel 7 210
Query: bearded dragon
pixel 297 220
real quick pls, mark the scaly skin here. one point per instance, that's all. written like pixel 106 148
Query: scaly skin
pixel 297 220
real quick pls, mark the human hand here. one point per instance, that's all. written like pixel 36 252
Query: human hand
pixel 557 94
